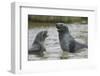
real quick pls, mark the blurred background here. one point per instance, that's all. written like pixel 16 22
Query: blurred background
pixel 38 20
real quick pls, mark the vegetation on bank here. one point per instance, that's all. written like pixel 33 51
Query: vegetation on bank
pixel 38 20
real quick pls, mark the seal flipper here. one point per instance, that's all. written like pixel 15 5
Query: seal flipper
pixel 72 46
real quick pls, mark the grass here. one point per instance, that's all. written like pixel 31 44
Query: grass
pixel 36 24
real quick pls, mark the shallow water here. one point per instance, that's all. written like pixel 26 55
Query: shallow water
pixel 53 50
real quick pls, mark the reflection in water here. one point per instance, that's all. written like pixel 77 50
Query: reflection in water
pixel 53 50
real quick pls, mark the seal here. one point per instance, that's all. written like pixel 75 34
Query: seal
pixel 67 42
pixel 38 44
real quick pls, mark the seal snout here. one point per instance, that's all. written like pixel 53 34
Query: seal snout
pixel 45 33
pixel 59 26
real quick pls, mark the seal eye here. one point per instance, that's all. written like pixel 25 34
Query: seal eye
pixel 56 26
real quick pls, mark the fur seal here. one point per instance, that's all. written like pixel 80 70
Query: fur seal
pixel 67 42
pixel 38 44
